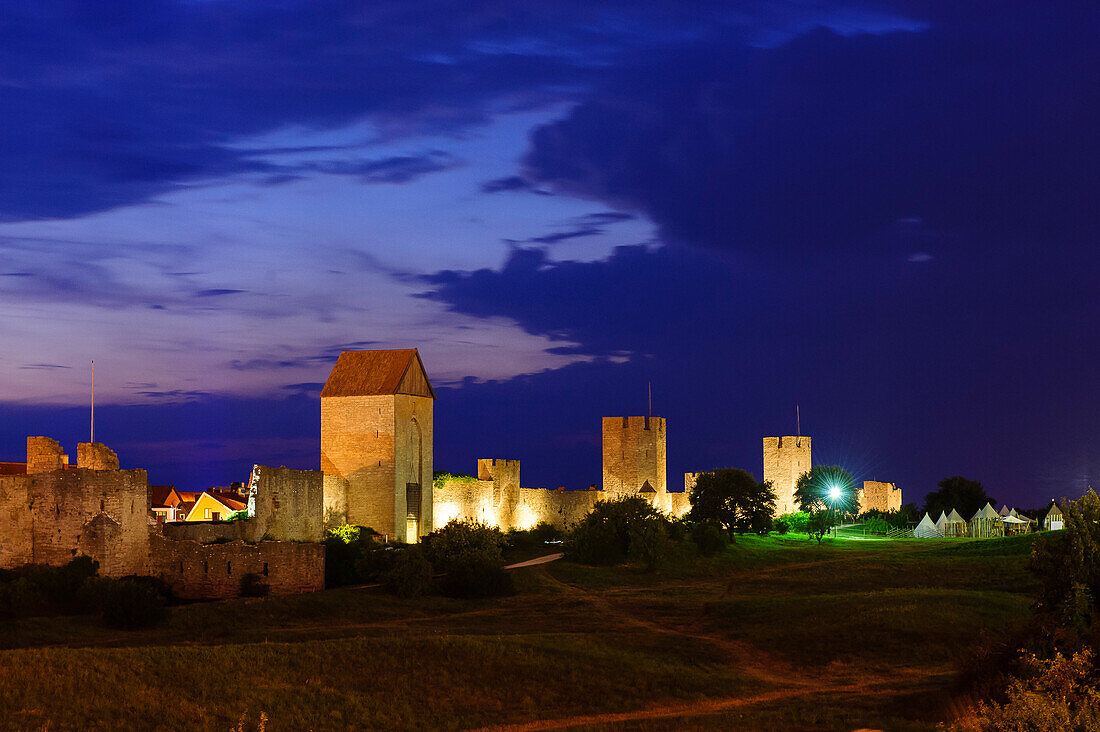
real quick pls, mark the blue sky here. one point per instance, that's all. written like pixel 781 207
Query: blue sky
pixel 882 211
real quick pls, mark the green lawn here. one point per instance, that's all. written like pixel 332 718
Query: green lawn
pixel 776 632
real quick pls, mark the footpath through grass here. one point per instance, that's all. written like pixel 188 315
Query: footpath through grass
pixel 776 632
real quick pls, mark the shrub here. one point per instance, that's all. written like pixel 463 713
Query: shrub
pixel 709 538
pixel 346 556
pixel 131 604
pixel 470 556
pixel 253 585
pixel 411 573
pixel 798 522
pixel 1054 694
pixel 617 530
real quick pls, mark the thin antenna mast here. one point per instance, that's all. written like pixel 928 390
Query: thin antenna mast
pixel 93 400
pixel 651 399
pixel 797 420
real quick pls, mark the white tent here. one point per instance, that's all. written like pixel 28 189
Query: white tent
pixel 955 525
pixel 941 523
pixel 1005 511
pixel 1016 525
pixel 986 522
pixel 926 529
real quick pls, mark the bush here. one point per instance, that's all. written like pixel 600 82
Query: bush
pixel 411 573
pixel 350 556
pixel 130 604
pixel 470 556
pixel 1054 694
pixel 798 522
pixel 709 538
pixel 253 585
pixel 615 531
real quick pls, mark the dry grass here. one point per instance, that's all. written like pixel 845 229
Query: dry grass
pixel 775 633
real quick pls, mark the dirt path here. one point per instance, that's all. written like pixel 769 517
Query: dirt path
pixel 536 561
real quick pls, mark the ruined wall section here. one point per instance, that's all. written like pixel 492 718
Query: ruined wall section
pixel 96 456
pixel 878 496
pixel 633 453
pixel 785 459
pixel 53 517
pixel 285 505
pixel 44 455
pixel 196 571
pixel 413 464
pixel 357 448
pixel 334 490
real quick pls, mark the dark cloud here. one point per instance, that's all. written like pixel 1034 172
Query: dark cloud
pixel 43 366
pixel 986 130
pixel 512 183
pixel 174 394
pixel 217 292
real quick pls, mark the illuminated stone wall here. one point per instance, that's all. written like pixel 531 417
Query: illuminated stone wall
pixel 96 456
pixel 878 496
pixel 785 459
pixel 50 517
pixel 373 447
pixel 633 454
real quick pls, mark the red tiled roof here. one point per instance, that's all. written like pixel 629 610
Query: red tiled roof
pixel 234 501
pixel 369 373
pixel 161 495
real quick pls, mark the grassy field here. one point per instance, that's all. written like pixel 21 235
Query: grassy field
pixel 775 633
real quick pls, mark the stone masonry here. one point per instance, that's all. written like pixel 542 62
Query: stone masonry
pixel 878 496
pixel 785 459
pixel 634 458
pixel 55 512
pixel 376 443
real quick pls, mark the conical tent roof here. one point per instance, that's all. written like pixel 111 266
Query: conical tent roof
pixel 955 518
pixel 1005 511
pixel 926 529
pixel 1054 510
pixel 941 521
pixel 987 512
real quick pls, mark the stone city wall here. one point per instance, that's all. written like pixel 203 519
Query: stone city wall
pixel 51 517
pixel 197 571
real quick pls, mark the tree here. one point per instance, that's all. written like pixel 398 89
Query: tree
pixel 966 496
pixel 819 524
pixel 618 530
pixel 734 499
pixel 825 487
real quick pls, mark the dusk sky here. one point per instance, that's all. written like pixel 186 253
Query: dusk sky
pixel 884 212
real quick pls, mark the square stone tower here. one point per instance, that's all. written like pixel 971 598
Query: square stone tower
pixel 376 443
pixel 878 496
pixel 634 458
pixel 785 459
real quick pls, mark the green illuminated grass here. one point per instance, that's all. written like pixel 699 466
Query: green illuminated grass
pixel 774 633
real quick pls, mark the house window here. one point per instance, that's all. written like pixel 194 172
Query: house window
pixel 206 513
